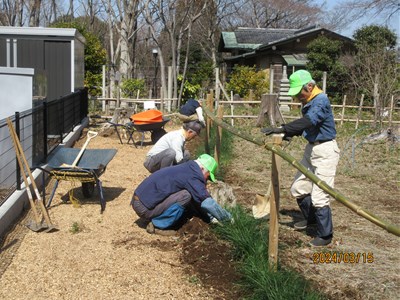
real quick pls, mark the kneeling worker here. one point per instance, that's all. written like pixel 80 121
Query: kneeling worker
pixel 163 197
pixel 170 148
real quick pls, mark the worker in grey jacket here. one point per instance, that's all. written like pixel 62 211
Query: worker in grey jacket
pixel 170 148
pixel 321 155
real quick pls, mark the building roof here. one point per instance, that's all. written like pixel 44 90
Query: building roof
pixel 260 38
pixel 252 38
pixel 45 32
pixel 251 41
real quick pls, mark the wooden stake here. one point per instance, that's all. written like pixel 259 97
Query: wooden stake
pixel 274 200
pixel 359 110
pixel 391 111
pixel 209 106
pixel 218 134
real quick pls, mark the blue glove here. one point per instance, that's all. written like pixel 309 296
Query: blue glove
pixel 214 210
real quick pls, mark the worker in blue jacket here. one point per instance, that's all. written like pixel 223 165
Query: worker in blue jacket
pixel 163 197
pixel 192 111
pixel 321 154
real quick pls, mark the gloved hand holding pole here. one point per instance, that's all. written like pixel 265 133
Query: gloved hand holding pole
pixel 271 130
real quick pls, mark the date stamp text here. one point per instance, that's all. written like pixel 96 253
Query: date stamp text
pixel 343 257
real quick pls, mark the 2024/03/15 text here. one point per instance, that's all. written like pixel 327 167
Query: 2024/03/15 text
pixel 342 257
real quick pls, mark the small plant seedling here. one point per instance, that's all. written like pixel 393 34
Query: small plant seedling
pixel 75 228
pixel 194 279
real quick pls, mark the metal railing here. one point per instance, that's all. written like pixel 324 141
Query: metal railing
pixel 40 129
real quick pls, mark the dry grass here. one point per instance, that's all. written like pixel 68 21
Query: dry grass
pixel 371 182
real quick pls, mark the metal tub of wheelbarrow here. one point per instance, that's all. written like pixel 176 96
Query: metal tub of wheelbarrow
pixel 91 165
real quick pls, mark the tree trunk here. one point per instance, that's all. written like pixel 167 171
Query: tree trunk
pixel 270 109
pixel 34 16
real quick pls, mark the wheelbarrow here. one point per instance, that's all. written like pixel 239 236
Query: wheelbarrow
pixel 156 129
pixel 90 167
pixel 150 120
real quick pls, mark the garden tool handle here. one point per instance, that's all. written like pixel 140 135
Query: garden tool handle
pixel 90 135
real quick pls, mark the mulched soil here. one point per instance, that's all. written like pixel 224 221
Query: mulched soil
pixel 112 256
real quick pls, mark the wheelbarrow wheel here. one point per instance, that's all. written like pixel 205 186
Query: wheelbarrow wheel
pixel 157 134
pixel 87 189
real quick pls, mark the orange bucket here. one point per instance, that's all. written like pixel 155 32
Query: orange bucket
pixel 147 117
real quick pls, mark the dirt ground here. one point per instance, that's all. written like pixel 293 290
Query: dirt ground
pixel 110 255
pixel 372 183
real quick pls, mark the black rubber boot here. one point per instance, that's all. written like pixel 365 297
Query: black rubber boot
pixel 308 212
pixel 324 227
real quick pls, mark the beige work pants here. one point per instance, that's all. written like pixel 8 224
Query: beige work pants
pixel 322 160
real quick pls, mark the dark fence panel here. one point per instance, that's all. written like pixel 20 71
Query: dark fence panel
pixel 40 130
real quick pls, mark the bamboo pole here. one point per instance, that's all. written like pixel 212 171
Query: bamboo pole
pixel 359 110
pixel 391 228
pixel 274 205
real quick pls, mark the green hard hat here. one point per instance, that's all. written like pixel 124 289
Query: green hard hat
pixel 297 80
pixel 209 163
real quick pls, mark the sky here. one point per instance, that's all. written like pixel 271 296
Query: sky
pixel 368 19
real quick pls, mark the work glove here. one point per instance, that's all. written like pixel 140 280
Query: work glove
pixel 271 130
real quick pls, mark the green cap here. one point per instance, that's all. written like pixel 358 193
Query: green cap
pixel 297 80
pixel 209 163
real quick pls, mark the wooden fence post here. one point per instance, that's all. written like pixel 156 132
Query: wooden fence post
pixel 218 134
pixel 359 110
pixel 217 87
pixel 343 107
pixel 274 202
pixel 209 105
pixel 232 109
pixel 391 111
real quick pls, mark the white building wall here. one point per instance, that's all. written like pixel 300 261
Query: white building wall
pixel 16 90
pixel 16 95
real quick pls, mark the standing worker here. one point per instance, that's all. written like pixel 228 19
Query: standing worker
pixel 321 154
pixel 170 148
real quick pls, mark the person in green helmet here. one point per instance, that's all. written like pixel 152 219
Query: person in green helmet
pixel 321 155
pixel 162 198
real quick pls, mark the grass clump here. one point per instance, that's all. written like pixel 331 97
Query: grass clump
pixel 75 228
pixel 249 238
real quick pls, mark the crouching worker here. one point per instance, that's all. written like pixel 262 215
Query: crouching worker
pixel 170 148
pixel 164 196
pixel 192 111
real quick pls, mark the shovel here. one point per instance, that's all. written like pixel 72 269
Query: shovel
pixel 36 225
pixel 261 207
pixel 90 135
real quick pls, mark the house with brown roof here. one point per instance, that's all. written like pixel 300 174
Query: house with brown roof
pixel 268 48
